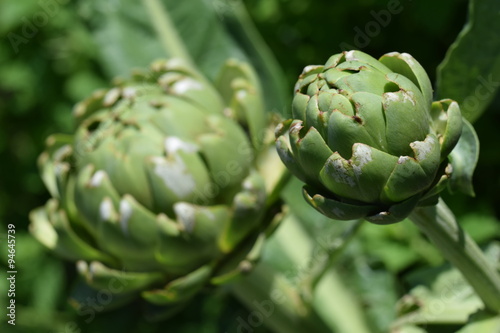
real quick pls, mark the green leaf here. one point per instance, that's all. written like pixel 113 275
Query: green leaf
pixel 441 296
pixel 239 24
pixel 442 299
pixel 481 226
pixel 311 219
pixel 48 287
pixel 470 72
pixel 132 34
pixel 88 301
pixel 463 159
pixel 12 15
pixel 377 292
pixel 409 329
pixel 482 323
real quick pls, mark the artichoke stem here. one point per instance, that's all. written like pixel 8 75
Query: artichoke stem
pixel 439 224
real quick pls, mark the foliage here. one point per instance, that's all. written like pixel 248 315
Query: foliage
pixel 54 53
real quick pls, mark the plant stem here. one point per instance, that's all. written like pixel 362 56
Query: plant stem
pixel 439 224
pixel 171 41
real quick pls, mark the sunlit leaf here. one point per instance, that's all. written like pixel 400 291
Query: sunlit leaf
pixel 470 72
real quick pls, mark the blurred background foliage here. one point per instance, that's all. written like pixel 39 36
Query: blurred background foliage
pixel 48 63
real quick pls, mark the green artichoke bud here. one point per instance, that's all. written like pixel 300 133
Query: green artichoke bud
pixel 366 137
pixel 158 187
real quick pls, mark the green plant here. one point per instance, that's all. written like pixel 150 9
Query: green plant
pixel 159 185
pixel 313 274
pixel 366 137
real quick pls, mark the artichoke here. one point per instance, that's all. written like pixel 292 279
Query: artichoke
pixel 366 137
pixel 159 186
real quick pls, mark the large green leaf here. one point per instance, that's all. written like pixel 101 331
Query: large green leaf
pixel 470 72
pixel 441 297
pixel 131 34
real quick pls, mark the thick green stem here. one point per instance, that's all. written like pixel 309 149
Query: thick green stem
pixel 439 225
pixel 171 41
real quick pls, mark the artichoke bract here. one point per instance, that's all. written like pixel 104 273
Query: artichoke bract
pixel 366 137
pixel 158 187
